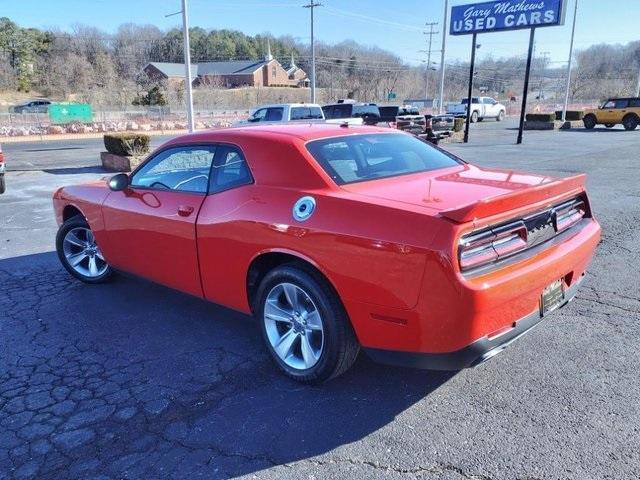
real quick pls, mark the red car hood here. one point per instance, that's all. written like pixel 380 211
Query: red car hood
pixel 467 192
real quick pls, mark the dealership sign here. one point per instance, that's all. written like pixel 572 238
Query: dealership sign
pixel 505 15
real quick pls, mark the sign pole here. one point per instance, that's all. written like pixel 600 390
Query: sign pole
pixel 470 92
pixel 526 86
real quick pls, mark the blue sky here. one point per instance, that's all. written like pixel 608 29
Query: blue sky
pixel 395 26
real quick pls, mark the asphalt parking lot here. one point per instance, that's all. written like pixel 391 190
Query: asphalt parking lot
pixel 132 380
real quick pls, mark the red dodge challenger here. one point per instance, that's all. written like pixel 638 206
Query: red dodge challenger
pixel 338 237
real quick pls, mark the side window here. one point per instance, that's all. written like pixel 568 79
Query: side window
pixel 300 113
pixel 230 170
pixel 274 114
pixel 634 103
pixel 259 115
pixel 184 169
pixel 341 111
pixel 609 104
pixel 315 112
pixel 622 103
pixel 328 111
pixel 274 71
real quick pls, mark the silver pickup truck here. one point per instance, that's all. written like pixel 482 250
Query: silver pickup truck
pixel 481 108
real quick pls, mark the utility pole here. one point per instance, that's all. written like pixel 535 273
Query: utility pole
pixel 187 65
pixel 431 33
pixel 444 41
pixel 311 5
pixel 566 93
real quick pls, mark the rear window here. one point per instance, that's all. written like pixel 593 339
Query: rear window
pixel 357 158
pixel 473 100
pixel 409 111
pixel 388 113
pixel 337 111
pixel 306 113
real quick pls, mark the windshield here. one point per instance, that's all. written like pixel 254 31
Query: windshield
pixel 356 158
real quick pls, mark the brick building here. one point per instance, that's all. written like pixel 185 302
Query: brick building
pixel 267 72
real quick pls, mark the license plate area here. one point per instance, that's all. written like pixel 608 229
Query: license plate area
pixel 552 297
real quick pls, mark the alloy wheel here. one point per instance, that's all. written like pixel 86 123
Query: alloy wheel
pixel 294 326
pixel 83 254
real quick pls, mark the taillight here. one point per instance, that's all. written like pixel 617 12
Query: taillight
pixel 569 214
pixel 490 245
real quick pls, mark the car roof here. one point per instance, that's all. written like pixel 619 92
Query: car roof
pixel 301 131
pixel 276 105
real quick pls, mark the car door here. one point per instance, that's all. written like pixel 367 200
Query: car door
pixel 151 224
pixel 607 114
pixel 620 108
pixel 491 107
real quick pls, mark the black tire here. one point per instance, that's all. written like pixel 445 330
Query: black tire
pixel 630 122
pixel 609 125
pixel 3 184
pixel 500 116
pixel 474 117
pixel 77 222
pixel 589 122
pixel 340 346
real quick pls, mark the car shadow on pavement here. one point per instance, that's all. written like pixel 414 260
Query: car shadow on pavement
pixel 76 170
pixel 132 379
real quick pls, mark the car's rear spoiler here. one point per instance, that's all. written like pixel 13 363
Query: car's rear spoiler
pixel 513 200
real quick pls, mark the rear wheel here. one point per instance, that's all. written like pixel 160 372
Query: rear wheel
pixel 304 325
pixel 79 253
pixel 630 122
pixel 589 122
pixel 3 185
pixel 500 116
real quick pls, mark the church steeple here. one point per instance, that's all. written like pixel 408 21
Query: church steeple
pixel 268 57
pixel 293 62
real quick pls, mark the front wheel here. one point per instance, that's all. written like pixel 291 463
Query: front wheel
pixel 589 122
pixel 79 253
pixel 474 117
pixel 630 122
pixel 304 325
pixel 500 116
pixel 3 185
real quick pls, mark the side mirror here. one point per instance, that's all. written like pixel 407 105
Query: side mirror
pixel 119 182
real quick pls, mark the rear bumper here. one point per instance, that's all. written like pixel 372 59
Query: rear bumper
pixel 473 354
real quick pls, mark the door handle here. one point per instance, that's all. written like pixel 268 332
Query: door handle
pixel 185 210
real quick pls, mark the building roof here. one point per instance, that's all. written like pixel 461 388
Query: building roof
pixel 231 67
pixel 174 69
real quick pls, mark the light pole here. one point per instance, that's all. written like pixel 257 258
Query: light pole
pixel 187 65
pixel 566 94
pixel 311 5
pixel 444 40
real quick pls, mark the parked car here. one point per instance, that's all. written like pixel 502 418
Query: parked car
pixel 285 112
pixel 338 238
pixel 441 123
pixel 32 106
pixel 406 118
pixel 345 109
pixel 613 112
pixel 3 185
pixel 481 108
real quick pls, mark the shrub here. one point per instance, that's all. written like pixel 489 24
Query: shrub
pixel 541 117
pixel 571 115
pixel 458 124
pixel 127 144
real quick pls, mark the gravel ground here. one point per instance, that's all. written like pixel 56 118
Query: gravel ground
pixel 131 380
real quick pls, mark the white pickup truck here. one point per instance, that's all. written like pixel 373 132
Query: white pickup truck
pixel 285 112
pixel 481 108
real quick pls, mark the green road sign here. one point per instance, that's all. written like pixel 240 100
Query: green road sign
pixel 63 113
pixel 391 96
